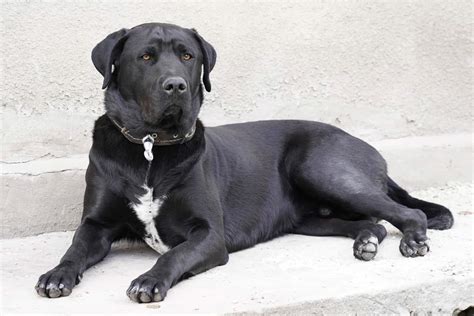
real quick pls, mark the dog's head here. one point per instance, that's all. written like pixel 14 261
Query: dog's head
pixel 152 73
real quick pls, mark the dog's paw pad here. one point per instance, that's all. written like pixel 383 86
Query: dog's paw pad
pixel 365 247
pixel 412 248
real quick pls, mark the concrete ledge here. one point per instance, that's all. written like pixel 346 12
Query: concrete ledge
pixel 291 275
pixel 46 202
pixel 428 161
pixel 45 194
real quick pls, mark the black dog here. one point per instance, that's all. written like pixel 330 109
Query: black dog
pixel 199 194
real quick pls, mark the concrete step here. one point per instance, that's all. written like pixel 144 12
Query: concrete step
pixel 291 275
pixel 45 194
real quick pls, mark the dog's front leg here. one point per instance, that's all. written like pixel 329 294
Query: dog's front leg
pixel 204 249
pixel 90 244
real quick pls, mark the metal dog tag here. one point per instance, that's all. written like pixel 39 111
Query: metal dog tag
pixel 148 146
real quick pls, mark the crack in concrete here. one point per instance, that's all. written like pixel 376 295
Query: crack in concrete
pixel 385 306
pixel 30 160
pixel 40 173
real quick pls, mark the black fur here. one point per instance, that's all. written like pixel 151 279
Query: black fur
pixel 439 217
pixel 229 187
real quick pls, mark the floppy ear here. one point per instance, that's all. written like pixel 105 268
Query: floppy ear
pixel 209 59
pixel 107 52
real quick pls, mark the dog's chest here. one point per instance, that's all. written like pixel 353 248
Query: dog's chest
pixel 147 209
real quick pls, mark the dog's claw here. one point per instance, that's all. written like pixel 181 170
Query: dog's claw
pixel 144 298
pixel 40 289
pixel 423 250
pixel 157 297
pixel 66 291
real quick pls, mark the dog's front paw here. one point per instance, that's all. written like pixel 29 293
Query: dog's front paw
pixel 57 282
pixel 146 289
pixel 414 246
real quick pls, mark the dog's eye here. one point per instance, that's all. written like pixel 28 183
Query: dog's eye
pixel 187 56
pixel 146 57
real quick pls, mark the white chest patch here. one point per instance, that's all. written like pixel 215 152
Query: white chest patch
pixel 146 210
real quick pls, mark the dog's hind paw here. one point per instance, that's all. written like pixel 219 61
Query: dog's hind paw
pixel 442 221
pixel 409 247
pixel 366 246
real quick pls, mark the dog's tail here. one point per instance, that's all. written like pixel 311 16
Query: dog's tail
pixel 439 217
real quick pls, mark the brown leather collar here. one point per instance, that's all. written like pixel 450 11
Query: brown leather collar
pixel 176 139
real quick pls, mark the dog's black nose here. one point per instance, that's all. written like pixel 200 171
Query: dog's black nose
pixel 174 85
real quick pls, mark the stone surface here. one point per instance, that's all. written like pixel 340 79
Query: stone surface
pixel 291 275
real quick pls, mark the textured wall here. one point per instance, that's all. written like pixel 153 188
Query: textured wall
pixel 377 69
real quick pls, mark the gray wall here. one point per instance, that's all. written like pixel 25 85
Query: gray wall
pixel 380 70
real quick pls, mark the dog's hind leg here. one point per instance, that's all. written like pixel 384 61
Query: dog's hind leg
pixel 355 192
pixel 367 234
pixel 439 217
pixel 345 171
pixel 369 200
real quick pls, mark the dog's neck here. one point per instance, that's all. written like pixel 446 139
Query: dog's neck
pixel 157 138
pixel 127 118
pixel 170 163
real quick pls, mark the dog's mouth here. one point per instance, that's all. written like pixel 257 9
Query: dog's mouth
pixel 170 119
pixel 171 116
